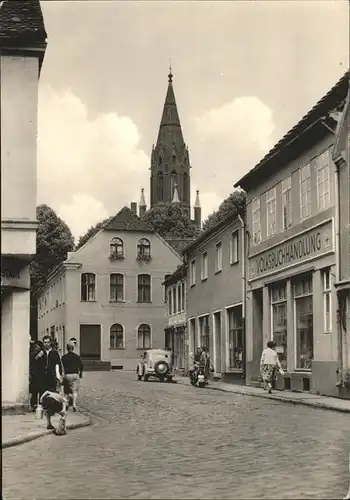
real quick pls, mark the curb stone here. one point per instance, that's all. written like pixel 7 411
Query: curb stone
pixel 35 435
pixel 281 399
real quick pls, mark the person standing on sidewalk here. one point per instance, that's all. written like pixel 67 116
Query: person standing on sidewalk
pixel 49 367
pixel 34 387
pixel 73 372
pixel 269 365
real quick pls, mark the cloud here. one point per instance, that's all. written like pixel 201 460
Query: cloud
pixel 245 121
pixel 87 166
pixel 231 139
pixel 83 212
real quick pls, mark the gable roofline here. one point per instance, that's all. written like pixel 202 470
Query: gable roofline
pixel 316 114
pixel 168 245
pixel 126 220
pixel 221 224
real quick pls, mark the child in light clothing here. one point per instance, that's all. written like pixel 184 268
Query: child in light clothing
pixel 269 365
pixel 53 403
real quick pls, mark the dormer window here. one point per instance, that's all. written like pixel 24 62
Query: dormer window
pixel 116 249
pixel 144 250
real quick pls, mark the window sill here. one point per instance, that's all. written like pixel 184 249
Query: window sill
pixel 204 279
pixel 193 284
pixel 143 348
pixel 307 371
pixel 88 301
pixel 218 271
pixel 234 263
pixel 117 348
pixel 117 302
pixel 141 302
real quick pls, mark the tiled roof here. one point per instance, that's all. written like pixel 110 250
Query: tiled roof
pixel 126 220
pixel 21 21
pixel 321 108
pixel 179 244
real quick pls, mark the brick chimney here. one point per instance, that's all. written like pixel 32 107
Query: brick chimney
pixel 133 207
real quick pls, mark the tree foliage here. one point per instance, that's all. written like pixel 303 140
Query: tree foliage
pixel 168 220
pixel 53 241
pixel 91 232
pixel 235 203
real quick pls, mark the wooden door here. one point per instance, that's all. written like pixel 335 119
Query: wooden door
pixel 90 341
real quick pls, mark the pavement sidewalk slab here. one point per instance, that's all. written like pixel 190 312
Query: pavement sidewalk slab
pixel 297 398
pixel 18 429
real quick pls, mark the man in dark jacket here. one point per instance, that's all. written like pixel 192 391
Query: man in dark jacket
pixel 73 372
pixel 49 367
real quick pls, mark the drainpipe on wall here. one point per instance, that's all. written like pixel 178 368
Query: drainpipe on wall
pixel 337 259
pixel 244 359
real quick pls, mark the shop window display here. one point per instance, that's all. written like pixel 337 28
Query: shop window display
pixel 279 322
pixel 304 324
pixel 235 337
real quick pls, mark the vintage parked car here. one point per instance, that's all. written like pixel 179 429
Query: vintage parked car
pixel 156 363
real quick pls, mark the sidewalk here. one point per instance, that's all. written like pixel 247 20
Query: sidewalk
pixel 18 429
pixel 297 398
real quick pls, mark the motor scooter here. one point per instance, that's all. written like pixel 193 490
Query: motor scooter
pixel 197 377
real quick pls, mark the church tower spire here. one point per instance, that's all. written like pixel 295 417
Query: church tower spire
pixel 170 164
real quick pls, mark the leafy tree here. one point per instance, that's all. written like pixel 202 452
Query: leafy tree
pixel 168 221
pixel 91 232
pixel 235 203
pixel 53 241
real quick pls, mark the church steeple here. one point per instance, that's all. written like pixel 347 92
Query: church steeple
pixel 170 164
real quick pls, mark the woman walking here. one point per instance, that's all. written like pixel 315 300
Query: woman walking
pixel 269 365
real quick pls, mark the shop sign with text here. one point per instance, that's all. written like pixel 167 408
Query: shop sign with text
pixel 296 250
pixel 12 277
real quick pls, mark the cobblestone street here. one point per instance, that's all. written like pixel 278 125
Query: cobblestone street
pixel 153 440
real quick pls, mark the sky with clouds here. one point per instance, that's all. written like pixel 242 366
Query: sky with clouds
pixel 244 74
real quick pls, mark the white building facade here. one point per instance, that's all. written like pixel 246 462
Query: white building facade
pixel 23 43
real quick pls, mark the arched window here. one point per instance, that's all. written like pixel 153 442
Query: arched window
pixel 116 338
pixel 116 288
pixel 173 182
pixel 144 248
pixel 88 287
pixel 116 248
pixel 160 186
pixel 144 337
pixel 160 160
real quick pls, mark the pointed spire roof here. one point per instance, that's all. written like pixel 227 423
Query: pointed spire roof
pixel 142 198
pixel 170 127
pixel 197 203
pixel 126 220
pixel 176 198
